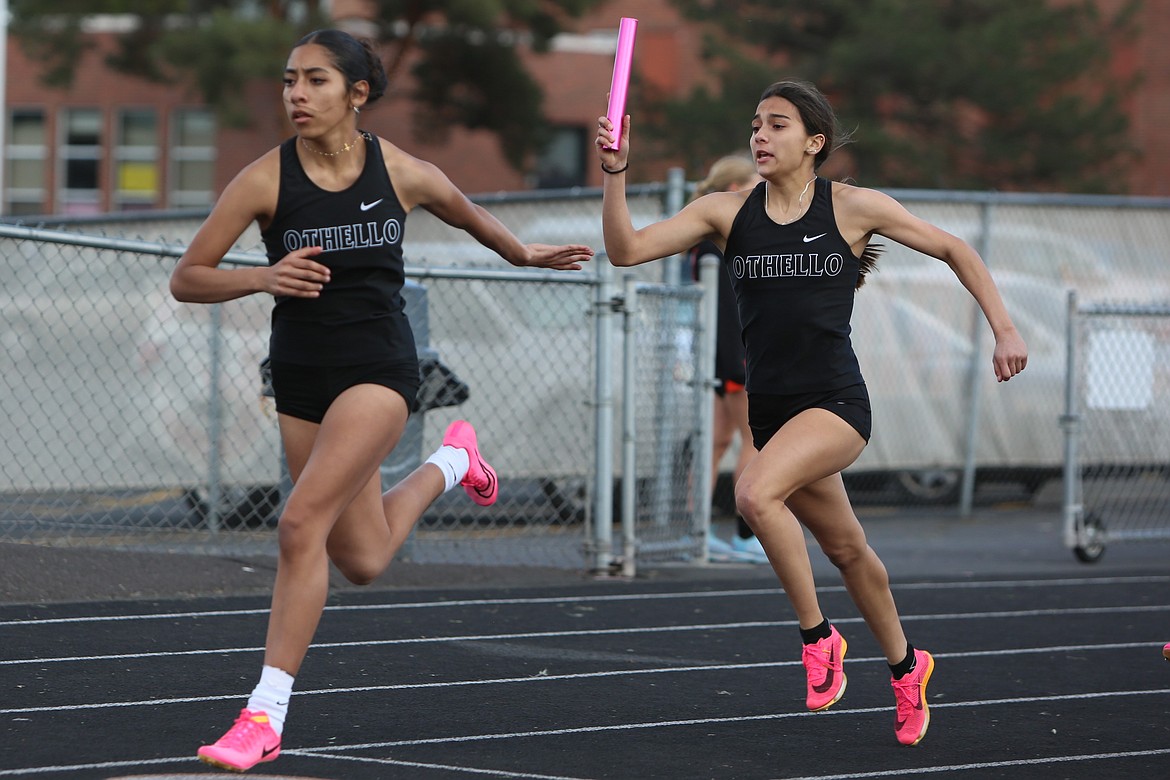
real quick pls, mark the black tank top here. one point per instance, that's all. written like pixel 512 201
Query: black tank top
pixel 794 285
pixel 359 316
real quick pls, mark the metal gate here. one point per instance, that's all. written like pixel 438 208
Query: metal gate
pixel 1116 425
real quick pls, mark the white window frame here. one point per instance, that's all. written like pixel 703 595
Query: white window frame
pixel 68 196
pixel 37 152
pixel 123 200
pixel 177 198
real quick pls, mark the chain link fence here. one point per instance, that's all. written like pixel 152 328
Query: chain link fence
pixel 1117 425
pixel 124 412
pixel 121 411
pixel 666 466
pixel 945 432
pixel 524 346
pixel 130 420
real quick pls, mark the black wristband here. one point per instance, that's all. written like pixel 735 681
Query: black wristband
pixel 619 170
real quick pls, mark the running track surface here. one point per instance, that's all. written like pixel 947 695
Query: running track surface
pixel 1043 677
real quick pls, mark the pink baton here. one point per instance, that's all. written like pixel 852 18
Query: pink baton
pixel 620 85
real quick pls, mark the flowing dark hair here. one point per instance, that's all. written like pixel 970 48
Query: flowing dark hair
pixel 816 114
pixel 818 118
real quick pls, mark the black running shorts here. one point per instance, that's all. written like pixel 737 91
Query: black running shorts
pixel 305 392
pixel 767 413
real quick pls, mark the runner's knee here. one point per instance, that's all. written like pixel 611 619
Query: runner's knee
pixel 846 552
pixel 296 534
pixel 752 498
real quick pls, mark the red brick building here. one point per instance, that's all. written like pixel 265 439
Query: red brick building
pixel 113 143
pixel 1149 110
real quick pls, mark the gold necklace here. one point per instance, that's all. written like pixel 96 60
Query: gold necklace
pixel 799 200
pixel 342 150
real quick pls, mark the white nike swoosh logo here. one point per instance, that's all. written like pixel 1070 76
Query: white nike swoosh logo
pixel 367 206
pixel 814 238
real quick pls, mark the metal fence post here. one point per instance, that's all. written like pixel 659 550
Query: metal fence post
pixel 1070 425
pixel 215 422
pixel 629 427
pixel 974 377
pixel 602 538
pixel 709 272
pixel 676 197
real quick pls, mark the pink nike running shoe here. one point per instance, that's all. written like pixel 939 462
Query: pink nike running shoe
pixel 913 713
pixel 1166 651
pixel 250 741
pixel 822 665
pixel 480 482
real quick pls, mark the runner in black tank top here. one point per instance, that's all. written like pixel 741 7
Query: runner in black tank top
pixel 331 203
pixel 796 253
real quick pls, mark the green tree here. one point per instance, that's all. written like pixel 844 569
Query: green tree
pixel 963 94
pixel 467 70
pixel 212 46
pixel 463 54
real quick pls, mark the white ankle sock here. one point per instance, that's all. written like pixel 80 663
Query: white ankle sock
pixel 271 695
pixel 453 462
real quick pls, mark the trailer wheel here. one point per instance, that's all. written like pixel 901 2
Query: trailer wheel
pixel 1092 536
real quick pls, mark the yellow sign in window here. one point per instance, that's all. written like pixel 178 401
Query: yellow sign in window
pixel 138 178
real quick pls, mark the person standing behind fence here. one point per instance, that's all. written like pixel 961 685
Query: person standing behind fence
pixel 331 202
pixel 728 174
pixel 797 247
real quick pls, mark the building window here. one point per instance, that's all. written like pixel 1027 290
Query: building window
pixel 562 164
pixel 192 174
pixel 80 161
pixel 25 162
pixel 136 166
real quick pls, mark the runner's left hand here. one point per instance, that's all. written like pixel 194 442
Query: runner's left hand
pixel 566 257
pixel 1011 356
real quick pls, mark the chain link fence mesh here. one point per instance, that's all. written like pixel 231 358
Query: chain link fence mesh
pixel 120 407
pixel 131 420
pixel 1120 418
pixel 110 424
pixel 525 350
pixel 668 460
pixel 925 348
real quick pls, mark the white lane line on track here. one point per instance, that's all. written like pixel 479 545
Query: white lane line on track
pixel 729 719
pixel 327 751
pixel 609 597
pixel 994 615
pixel 934 770
pixel 45 770
pixel 446 767
pixel 1011 651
